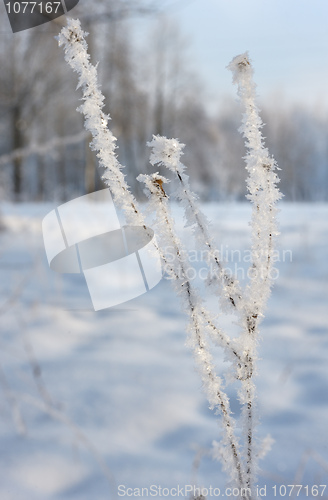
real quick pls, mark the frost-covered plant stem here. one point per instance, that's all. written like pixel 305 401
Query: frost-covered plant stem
pixel 239 462
pixel 168 152
pixel 72 38
pixel 213 384
pixel 262 187
pixel 263 193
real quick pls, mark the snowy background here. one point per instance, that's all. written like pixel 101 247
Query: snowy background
pixel 90 401
pixel 94 400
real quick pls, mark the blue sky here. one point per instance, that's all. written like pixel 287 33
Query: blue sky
pixel 287 41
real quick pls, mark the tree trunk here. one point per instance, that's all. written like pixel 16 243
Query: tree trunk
pixel 18 142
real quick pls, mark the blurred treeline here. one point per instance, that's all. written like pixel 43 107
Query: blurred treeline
pixel 149 89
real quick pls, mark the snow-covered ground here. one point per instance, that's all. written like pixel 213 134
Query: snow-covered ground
pixel 93 400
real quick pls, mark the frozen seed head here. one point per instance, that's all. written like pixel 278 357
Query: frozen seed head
pixel 159 183
pixel 71 33
pixel 154 183
pixel 240 65
pixel 165 152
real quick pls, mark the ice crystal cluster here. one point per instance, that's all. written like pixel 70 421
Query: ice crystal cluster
pixel 238 452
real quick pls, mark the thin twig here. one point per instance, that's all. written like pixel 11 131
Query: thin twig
pixel 42 149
